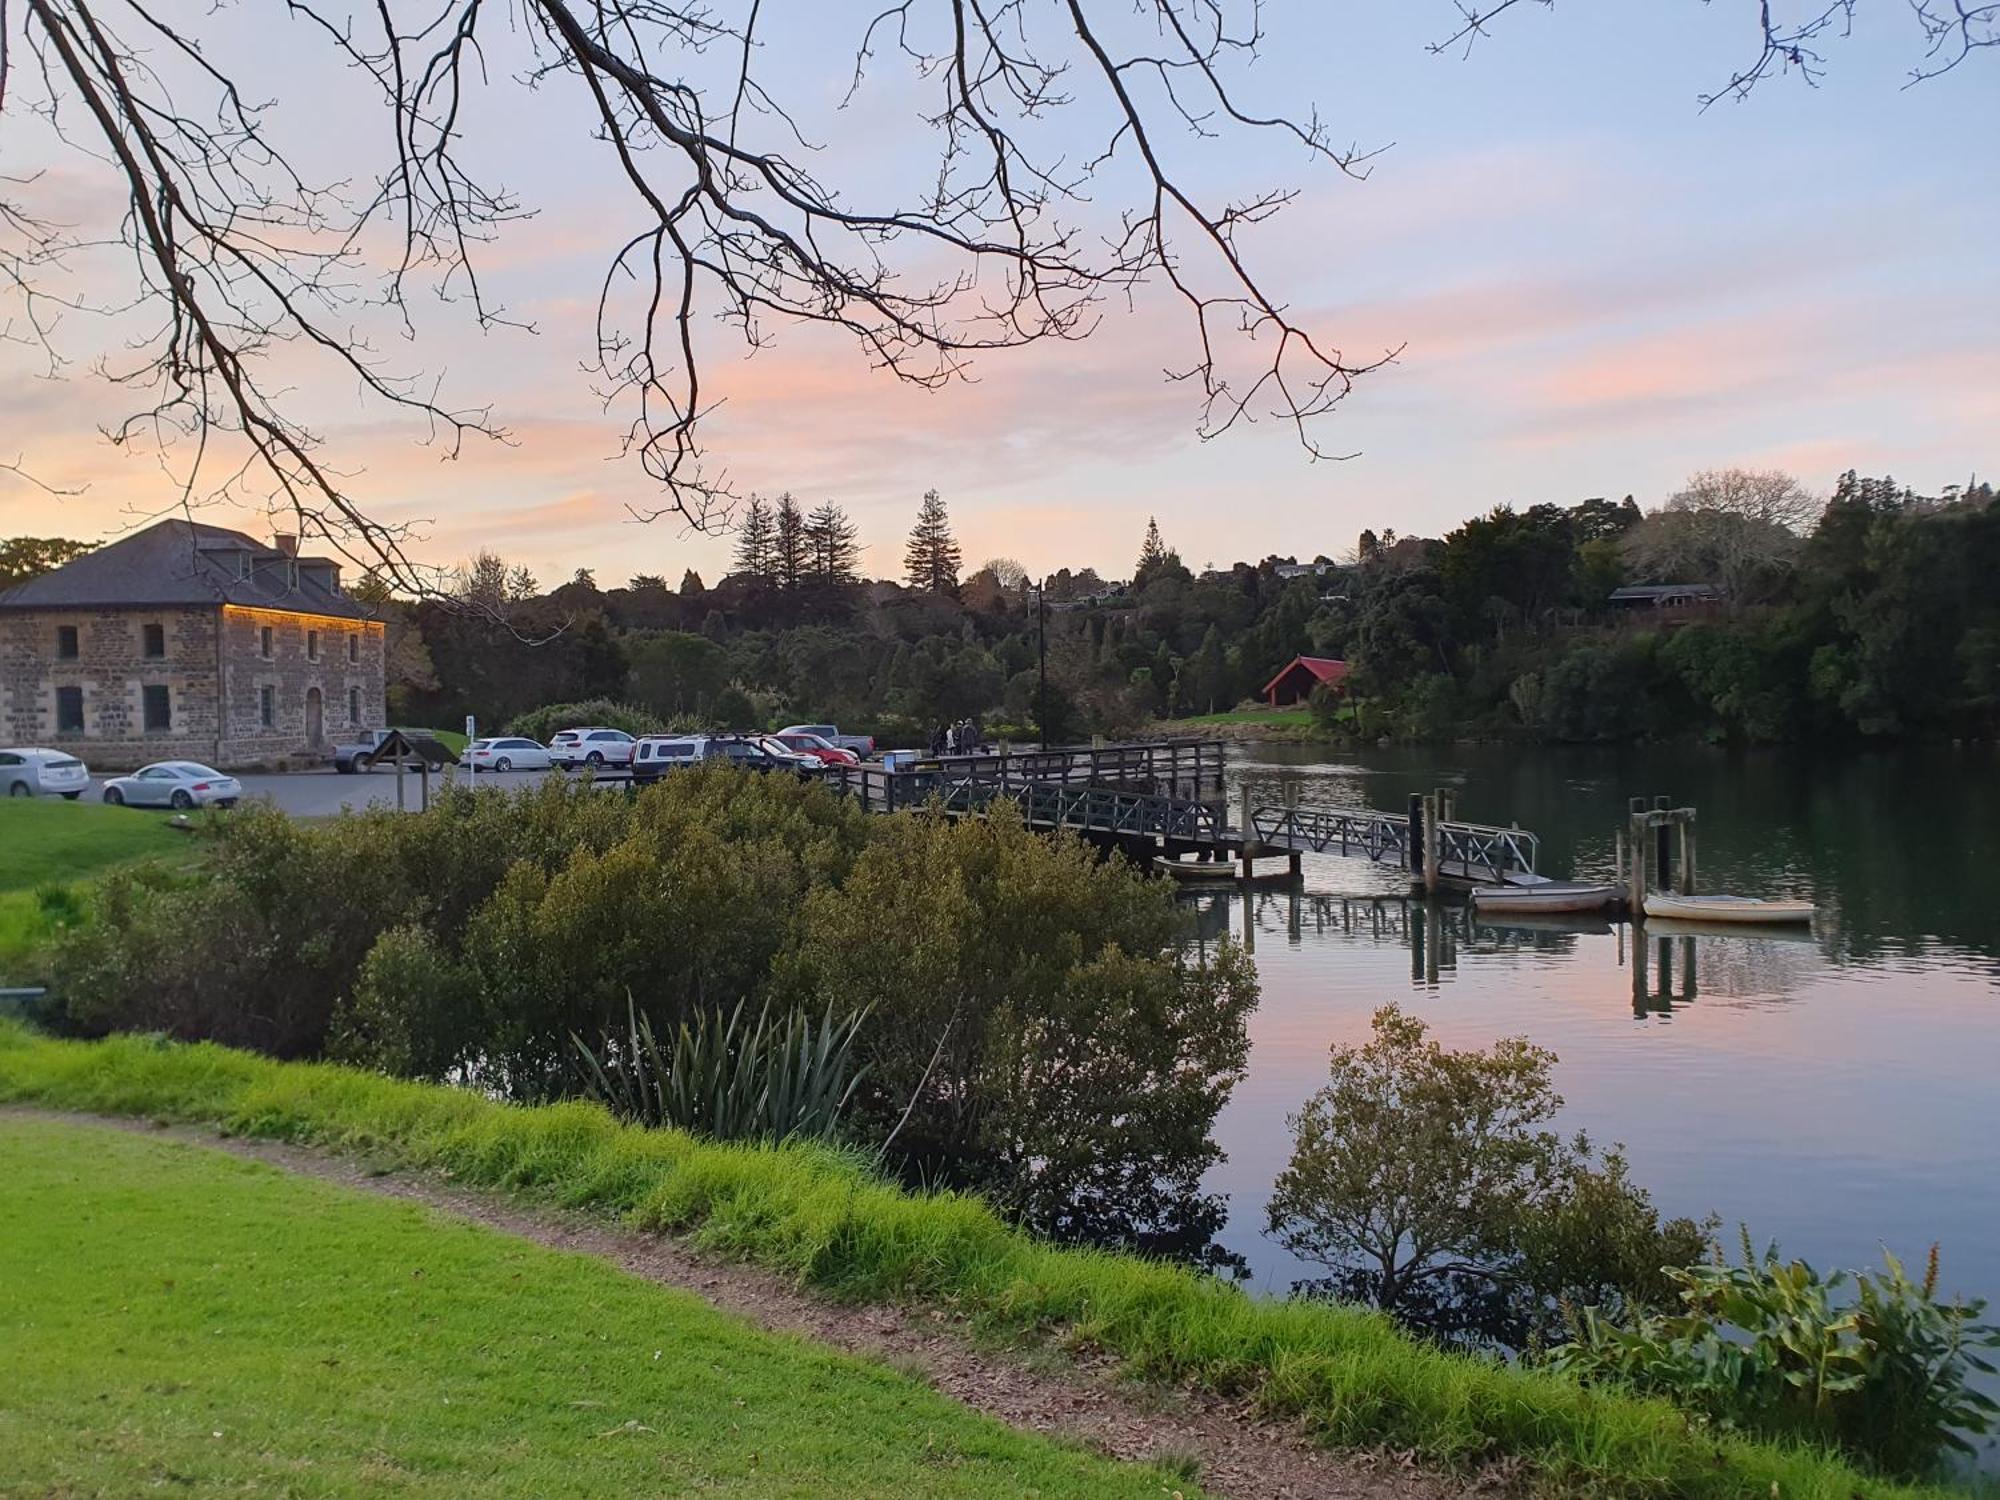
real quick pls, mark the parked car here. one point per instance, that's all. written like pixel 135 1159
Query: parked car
pixel 32 772
pixel 802 761
pixel 821 749
pixel 360 756
pixel 591 746
pixel 174 783
pixel 507 754
pixel 861 744
pixel 657 754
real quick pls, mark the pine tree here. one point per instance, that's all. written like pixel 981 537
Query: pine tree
pixel 789 558
pixel 756 542
pixel 932 560
pixel 832 548
pixel 1152 555
pixel 691 584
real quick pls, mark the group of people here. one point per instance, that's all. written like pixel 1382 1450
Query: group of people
pixel 961 738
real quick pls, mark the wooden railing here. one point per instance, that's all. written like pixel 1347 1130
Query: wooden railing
pixel 1186 768
pixel 1052 804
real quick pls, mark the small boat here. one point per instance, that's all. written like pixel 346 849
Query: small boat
pixel 1727 908
pixel 1544 896
pixel 1742 932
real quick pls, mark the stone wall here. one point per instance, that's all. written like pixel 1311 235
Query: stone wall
pixel 214 668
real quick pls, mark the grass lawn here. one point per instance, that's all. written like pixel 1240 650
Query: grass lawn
pixel 47 839
pixel 51 842
pixel 176 1319
pixel 1277 718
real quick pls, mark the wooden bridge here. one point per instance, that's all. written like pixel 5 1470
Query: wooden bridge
pixel 1163 800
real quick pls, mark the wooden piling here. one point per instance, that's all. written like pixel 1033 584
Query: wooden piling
pixel 1687 854
pixel 1414 857
pixel 1431 846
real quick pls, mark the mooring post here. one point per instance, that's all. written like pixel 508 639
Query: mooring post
pixel 1413 857
pixel 1636 872
pixel 1431 847
pixel 1687 855
pixel 1619 858
pixel 1663 845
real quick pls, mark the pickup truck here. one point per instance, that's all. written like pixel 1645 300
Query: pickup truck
pixel 360 756
pixel 861 744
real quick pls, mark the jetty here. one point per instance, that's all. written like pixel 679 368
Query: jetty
pixel 1164 802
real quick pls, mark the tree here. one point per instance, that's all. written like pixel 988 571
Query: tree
pixel 481 582
pixel 1011 234
pixel 691 585
pixel 1428 1180
pixel 1152 555
pixel 521 585
pixel 1740 529
pixel 832 545
pixel 675 672
pixel 646 583
pixel 756 544
pixel 25 557
pixel 931 560
pixel 789 555
pixel 1008 573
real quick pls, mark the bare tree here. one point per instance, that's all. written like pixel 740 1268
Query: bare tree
pixel 1789 42
pixel 245 283
pixel 1739 529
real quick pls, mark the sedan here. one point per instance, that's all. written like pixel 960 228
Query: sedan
pixel 174 783
pixel 30 772
pixel 507 755
pixel 818 747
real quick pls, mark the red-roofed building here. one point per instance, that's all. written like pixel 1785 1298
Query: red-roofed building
pixel 1300 676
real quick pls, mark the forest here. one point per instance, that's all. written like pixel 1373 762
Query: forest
pixel 1869 615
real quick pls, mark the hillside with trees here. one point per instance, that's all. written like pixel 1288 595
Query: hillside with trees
pixel 1871 615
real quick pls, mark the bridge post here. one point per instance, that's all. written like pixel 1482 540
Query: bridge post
pixel 1433 845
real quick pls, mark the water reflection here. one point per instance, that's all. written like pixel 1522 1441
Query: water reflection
pixel 1832 1088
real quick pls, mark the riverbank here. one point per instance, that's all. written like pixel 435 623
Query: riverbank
pixel 818 1217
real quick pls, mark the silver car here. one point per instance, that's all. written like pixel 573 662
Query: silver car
pixel 174 783
pixel 27 771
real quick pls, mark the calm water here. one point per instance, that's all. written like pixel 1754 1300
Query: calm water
pixel 1838 1091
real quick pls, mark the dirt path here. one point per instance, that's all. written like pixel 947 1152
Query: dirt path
pixel 1234 1453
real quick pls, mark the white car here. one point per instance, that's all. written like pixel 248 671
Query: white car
pixel 507 754
pixel 593 746
pixel 174 783
pixel 31 772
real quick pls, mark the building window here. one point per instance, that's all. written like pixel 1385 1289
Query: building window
pixel 264 642
pixel 159 709
pixel 155 640
pixel 354 705
pixel 66 642
pixel 69 710
pixel 312 645
pixel 267 706
pixel 354 648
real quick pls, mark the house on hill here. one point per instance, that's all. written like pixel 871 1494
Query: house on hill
pixel 189 641
pixel 1295 682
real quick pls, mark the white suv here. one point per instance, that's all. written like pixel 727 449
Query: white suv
pixel 591 747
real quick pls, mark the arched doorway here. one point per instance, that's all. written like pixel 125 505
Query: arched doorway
pixel 315 716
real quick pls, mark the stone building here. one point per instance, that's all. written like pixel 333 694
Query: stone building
pixel 189 641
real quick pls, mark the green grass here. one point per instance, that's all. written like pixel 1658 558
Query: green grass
pixel 47 839
pixel 1281 718
pixel 1348 1374
pixel 51 842
pixel 177 1319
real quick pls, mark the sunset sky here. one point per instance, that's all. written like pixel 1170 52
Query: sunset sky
pixel 1598 286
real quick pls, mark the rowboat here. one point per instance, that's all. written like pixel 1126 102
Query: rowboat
pixel 1727 908
pixel 1762 932
pixel 1544 896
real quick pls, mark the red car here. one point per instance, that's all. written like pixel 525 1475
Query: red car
pixel 811 744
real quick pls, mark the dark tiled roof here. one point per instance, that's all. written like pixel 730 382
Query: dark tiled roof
pixel 186 562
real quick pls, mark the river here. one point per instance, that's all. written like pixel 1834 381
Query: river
pixel 1836 1091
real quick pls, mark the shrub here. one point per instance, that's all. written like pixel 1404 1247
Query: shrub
pixel 1427 1181
pixel 772 1077
pixel 543 723
pixel 1774 1347
pixel 1035 1027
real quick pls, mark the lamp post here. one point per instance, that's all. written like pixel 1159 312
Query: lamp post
pixel 1042 659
